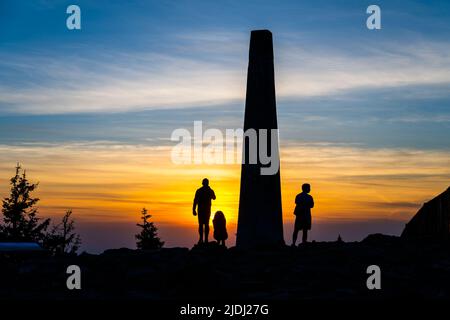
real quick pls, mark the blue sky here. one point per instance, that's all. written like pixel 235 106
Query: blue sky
pixel 139 69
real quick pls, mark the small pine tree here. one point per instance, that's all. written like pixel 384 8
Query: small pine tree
pixel 148 237
pixel 62 239
pixel 20 220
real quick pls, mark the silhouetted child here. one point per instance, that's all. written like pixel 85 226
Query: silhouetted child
pixel 220 228
pixel 304 203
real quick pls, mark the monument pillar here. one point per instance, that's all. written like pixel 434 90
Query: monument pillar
pixel 260 221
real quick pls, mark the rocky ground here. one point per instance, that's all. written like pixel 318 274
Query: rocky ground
pixel 328 270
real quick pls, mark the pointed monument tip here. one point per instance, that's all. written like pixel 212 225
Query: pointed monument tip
pixel 261 36
pixel 262 31
pixel 261 44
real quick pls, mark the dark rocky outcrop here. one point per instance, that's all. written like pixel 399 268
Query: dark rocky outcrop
pixel 320 270
pixel 432 221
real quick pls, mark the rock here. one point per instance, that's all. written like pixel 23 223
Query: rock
pixel 381 239
pixel 323 270
pixel 432 221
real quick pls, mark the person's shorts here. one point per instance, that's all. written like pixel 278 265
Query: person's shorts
pixel 203 217
pixel 303 222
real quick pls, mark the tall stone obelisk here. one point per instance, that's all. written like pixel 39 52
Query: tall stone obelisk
pixel 260 220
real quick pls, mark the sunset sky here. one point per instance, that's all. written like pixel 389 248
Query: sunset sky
pixel 364 116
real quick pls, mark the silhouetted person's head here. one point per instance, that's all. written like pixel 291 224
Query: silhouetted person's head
pixel 306 187
pixel 219 216
pixel 205 182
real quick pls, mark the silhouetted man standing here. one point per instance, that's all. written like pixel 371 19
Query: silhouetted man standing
pixel 203 197
pixel 304 203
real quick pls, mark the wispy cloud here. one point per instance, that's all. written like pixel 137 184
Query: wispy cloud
pixel 124 82
pixel 317 71
pixel 44 83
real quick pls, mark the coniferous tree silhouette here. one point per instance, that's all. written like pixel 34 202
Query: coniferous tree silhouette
pixel 148 237
pixel 20 220
pixel 62 239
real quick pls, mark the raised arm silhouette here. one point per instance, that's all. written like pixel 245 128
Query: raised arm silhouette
pixel 202 202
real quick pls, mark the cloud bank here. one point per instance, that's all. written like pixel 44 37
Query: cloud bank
pixel 213 73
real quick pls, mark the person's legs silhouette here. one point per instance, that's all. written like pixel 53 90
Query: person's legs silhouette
pixel 206 232
pixel 294 237
pixel 305 236
pixel 200 232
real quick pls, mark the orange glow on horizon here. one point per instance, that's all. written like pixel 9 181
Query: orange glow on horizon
pixel 106 183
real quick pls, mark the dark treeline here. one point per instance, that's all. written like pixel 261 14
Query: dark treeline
pixel 148 237
pixel 21 222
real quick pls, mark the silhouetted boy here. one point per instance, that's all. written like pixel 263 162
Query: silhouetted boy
pixel 203 197
pixel 304 203
pixel 220 228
